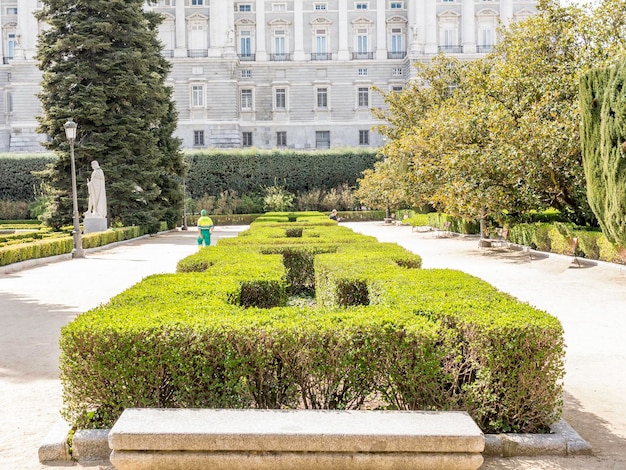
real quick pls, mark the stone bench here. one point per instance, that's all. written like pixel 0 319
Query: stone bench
pixel 251 439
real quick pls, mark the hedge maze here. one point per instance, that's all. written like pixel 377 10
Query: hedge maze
pixel 308 314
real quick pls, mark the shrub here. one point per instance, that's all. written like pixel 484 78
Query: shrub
pixel 383 334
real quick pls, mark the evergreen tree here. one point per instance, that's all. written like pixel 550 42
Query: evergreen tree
pixel 102 66
pixel 603 111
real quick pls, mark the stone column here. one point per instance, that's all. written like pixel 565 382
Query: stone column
pixel 506 11
pixel 261 47
pixel 181 31
pixel 431 27
pixel 417 23
pixel 27 29
pixel 343 53
pixel 469 26
pixel 298 31
pixel 219 33
pixel 381 30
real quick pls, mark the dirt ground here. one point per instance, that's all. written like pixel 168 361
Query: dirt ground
pixel 35 303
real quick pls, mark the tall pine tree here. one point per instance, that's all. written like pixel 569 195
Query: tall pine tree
pixel 102 66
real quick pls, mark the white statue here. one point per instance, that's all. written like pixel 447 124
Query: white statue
pixel 97 206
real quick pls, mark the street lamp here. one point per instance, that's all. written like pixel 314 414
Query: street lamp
pixel 70 132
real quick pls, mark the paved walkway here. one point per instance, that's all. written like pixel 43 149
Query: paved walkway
pixel 591 302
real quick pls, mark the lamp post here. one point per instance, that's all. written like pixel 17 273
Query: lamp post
pixel 184 226
pixel 70 132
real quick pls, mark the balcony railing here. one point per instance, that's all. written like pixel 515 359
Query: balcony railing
pixel 484 49
pixel 280 57
pixel 321 56
pixel 247 57
pixel 167 53
pixel 451 49
pixel 197 53
pixel 396 55
pixel 362 55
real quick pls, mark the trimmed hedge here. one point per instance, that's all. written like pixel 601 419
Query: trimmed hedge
pixel 60 244
pixel 248 171
pixel 568 239
pixel 381 333
pixel 17 181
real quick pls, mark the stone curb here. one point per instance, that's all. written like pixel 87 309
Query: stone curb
pixel 91 446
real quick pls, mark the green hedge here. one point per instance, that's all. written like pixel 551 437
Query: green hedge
pixel 17 181
pixel 248 171
pixel 560 238
pixel 380 333
pixel 60 244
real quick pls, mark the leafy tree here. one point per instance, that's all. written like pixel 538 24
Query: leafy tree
pixel 502 134
pixel 102 66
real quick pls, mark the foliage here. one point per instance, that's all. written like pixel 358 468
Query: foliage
pixel 383 333
pixel 102 66
pixel 19 180
pixel 248 171
pixel 603 104
pixel 277 198
pixel 501 135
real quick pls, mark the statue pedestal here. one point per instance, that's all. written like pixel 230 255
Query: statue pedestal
pixel 94 223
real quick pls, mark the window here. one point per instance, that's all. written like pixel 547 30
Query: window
pixel 322 98
pixel 197 3
pixel 244 7
pixel 246 73
pixel 245 43
pixel 319 6
pixel 11 11
pixel 396 71
pixel 320 41
pixel 396 5
pixel 397 88
pixel 396 40
pixel 362 72
pixel 198 137
pixel 322 139
pixel 364 97
pixel 364 137
pixel 279 42
pixel 361 41
pixel 197 96
pixel 167 3
pixel 246 99
pixel 12 44
pixel 246 138
pixel 280 98
pixel 279 7
pixel 281 139
pixel 361 6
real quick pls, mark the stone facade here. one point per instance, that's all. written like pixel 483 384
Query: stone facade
pixel 272 73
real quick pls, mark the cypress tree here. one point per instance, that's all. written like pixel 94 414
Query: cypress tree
pixel 603 139
pixel 102 66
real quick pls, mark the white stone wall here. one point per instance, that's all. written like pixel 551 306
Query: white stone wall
pixel 267 47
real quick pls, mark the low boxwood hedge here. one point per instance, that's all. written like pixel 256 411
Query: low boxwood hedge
pixel 44 244
pixel 381 333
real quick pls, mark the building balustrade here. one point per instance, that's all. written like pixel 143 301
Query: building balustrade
pixel 169 53
pixel 247 57
pixel 280 57
pixel 321 56
pixel 197 53
pixel 362 55
pixel 396 55
pixel 451 49
pixel 484 49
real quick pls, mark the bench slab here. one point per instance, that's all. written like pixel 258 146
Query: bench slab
pixel 287 439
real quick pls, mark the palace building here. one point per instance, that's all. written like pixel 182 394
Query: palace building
pixel 296 74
